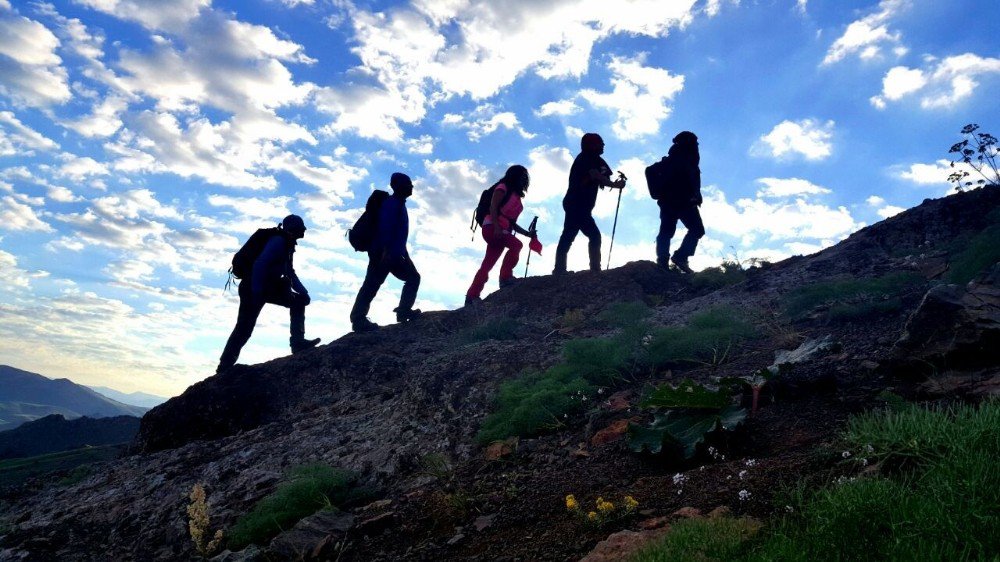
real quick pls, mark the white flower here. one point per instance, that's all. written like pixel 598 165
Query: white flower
pixel 744 495
pixel 869 449
pixel 751 462
pixel 789 509
pixel 846 454
pixel 679 479
pixel 742 474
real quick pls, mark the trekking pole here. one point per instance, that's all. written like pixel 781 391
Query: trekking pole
pixel 615 227
pixel 531 228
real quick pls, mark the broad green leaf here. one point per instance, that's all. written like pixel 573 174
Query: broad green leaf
pixel 642 438
pixel 687 394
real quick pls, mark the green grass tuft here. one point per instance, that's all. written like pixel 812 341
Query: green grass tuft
pixel 534 403
pixel 851 299
pixel 493 329
pixel 706 338
pixel 704 540
pixel 979 253
pixel 714 278
pixel 306 490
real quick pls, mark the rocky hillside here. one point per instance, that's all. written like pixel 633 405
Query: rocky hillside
pixel 55 433
pixel 402 407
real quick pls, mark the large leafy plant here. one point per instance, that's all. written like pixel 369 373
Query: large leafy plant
pixel 685 415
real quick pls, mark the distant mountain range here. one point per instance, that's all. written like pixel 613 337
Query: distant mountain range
pixel 141 399
pixel 55 433
pixel 26 396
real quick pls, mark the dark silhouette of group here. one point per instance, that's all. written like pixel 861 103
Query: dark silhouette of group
pixel 674 182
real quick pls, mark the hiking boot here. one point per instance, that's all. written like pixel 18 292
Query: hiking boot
pixel 471 300
pixel 303 344
pixel 510 281
pixel 681 264
pixel 223 367
pixel 663 264
pixel 364 325
pixel 407 314
pixel 559 272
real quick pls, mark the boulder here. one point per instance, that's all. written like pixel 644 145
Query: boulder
pixel 310 537
pixel 623 544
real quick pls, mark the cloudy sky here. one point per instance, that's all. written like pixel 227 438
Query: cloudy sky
pixel 141 141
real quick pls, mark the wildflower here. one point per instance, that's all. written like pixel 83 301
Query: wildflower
pixel 571 503
pixel 864 462
pixel 846 454
pixel 789 509
pixel 869 449
pixel 605 507
pixel 600 391
pixel 630 504
pixel 744 495
pixel 751 462
pixel 679 479
pixel 742 474
pixel 592 516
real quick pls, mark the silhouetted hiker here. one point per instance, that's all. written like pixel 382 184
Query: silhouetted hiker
pixel 268 276
pixel 499 226
pixel 675 183
pixel 588 174
pixel 387 254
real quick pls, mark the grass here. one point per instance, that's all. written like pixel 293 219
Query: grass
pixel 493 329
pixel 851 299
pixel 705 339
pixel 704 540
pixel 935 498
pixel 305 490
pixel 729 273
pixel 14 472
pixel 980 252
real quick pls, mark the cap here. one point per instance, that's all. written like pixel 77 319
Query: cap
pixel 591 142
pixel 686 137
pixel 399 179
pixel 293 223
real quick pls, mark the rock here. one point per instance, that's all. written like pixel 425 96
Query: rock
pixel 580 453
pixel 963 384
pixel 869 365
pixel 378 505
pixel 618 401
pixel 456 539
pixel 613 432
pixel 252 553
pixel 654 523
pixel 688 513
pixel 622 545
pixel 500 449
pixel 721 511
pixel 805 352
pixel 484 522
pixel 310 536
pixel 377 524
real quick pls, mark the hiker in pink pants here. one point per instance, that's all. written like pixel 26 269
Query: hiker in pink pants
pixel 499 227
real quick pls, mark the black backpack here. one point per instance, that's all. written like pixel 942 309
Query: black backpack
pixel 659 176
pixel 483 208
pixel 251 250
pixel 362 234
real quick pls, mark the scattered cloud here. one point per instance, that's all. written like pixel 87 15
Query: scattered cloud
pixel 486 120
pixel 31 72
pixel 562 107
pixel 17 214
pixel 808 138
pixel 640 96
pixel 18 138
pixel 941 84
pixel 775 187
pixel 870 35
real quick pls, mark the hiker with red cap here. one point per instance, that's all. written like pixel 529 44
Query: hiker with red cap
pixel 588 174
pixel 499 229
pixel 675 184
pixel 265 266
pixel 387 254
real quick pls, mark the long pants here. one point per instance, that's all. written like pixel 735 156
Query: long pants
pixel 401 268
pixel 495 245
pixel 278 292
pixel 576 222
pixel 691 218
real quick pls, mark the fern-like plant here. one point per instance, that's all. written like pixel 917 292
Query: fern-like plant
pixel 979 152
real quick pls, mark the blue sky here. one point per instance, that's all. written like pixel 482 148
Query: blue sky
pixel 141 141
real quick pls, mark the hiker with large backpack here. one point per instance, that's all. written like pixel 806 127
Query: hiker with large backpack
pixel 383 233
pixel 675 183
pixel 499 207
pixel 588 174
pixel 264 266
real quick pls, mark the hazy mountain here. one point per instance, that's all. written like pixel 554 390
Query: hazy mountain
pixel 141 399
pixel 54 433
pixel 26 396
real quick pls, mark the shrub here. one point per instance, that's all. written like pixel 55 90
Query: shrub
pixel 980 252
pixel 533 403
pixel 849 299
pixel 625 314
pixel 707 540
pixel 707 338
pixel 729 273
pixel 305 490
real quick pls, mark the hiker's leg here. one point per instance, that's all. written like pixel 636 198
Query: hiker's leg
pixel 570 228
pixel 589 228
pixel 405 271
pixel 296 303
pixel 493 250
pixel 513 246
pixel 668 226
pixel 374 277
pixel 246 319
pixel 691 219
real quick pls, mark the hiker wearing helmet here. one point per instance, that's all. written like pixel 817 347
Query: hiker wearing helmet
pixel 588 174
pixel 499 227
pixel 269 277
pixel 675 183
pixel 388 254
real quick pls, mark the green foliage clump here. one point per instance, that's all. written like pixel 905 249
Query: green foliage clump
pixel 625 314
pixel 850 299
pixel 493 329
pixel 706 339
pixel 730 272
pixel 980 252
pixel 306 490
pixel 706 540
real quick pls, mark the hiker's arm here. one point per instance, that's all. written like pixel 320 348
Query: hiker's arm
pixel 603 179
pixel 495 210
pixel 391 225
pixel 517 228
pixel 272 254
pixel 297 285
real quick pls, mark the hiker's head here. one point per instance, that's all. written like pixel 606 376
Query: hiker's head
pixel 294 226
pixel 517 179
pixel 401 184
pixel 686 143
pixel 592 142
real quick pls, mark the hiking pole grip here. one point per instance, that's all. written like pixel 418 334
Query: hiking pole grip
pixel 531 228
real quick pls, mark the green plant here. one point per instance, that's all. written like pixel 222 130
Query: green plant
pixel 983 150
pixel 706 540
pixel 848 299
pixel 75 476
pixel 730 272
pixel 691 412
pixel 501 328
pixel 305 490
pixel 975 255
pixel 604 511
pixel 707 338
pixel 625 314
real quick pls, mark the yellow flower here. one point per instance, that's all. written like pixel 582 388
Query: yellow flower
pixel 592 516
pixel 630 503
pixel 605 507
pixel 571 504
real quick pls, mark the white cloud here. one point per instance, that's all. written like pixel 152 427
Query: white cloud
pixel 486 120
pixel 640 96
pixel 867 36
pixel 776 187
pixel 549 169
pixel 889 210
pixel 16 213
pixel 62 194
pixel 562 107
pixel 783 220
pixel 104 121
pixel 875 201
pixel 928 174
pixel 21 136
pixel 941 84
pixel 4 4
pixel 154 14
pixel 10 274
pixel 30 70
pixel 808 138
pixel 78 168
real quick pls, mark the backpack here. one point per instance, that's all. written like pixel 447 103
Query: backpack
pixel 251 250
pixel 362 234
pixel 658 177
pixel 483 208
